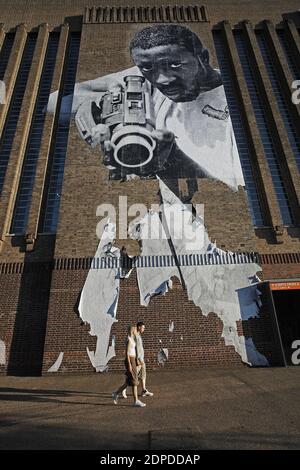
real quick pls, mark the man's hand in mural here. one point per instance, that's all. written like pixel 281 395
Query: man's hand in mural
pixel 163 149
pixel 86 123
pixel 87 117
pixel 88 111
pixel 167 161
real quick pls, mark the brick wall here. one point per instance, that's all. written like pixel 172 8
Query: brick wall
pixel 39 320
pixel 196 339
pixel 38 305
pixel 201 343
pixel 23 311
pixel 34 12
pixel 281 270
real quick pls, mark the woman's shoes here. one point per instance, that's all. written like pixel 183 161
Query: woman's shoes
pixel 115 397
pixel 139 403
pixel 146 393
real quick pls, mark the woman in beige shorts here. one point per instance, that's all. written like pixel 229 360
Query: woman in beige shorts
pixel 131 369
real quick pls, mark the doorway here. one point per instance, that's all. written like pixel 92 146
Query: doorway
pixel 287 305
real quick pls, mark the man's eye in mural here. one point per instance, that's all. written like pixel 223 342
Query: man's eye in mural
pixel 176 65
pixel 172 65
pixel 147 68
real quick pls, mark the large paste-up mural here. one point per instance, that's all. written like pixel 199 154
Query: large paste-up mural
pixel 165 118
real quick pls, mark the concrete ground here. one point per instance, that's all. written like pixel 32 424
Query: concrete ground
pixel 207 408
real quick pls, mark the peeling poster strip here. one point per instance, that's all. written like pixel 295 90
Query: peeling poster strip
pixel 2 353
pixel 223 289
pixel 57 363
pixel 99 299
pixel 162 356
pixel 2 92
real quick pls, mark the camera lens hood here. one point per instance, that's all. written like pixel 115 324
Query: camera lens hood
pixel 133 146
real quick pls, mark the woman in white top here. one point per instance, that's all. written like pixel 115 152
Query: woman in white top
pixel 131 368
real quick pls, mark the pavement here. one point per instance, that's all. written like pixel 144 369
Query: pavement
pixel 207 408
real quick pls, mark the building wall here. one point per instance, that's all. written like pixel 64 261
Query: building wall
pixel 37 331
pixel 234 11
pixel 38 304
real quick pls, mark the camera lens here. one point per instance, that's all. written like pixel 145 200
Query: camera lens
pixel 133 146
pixel 135 154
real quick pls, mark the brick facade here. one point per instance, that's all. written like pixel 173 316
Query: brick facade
pixel 38 312
pixel 38 326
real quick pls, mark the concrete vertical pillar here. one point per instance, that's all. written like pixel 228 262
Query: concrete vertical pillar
pixel 261 170
pixel 286 161
pixel 12 70
pixel 294 40
pixel 14 168
pixel 2 85
pixel 283 71
pixel 46 143
pixel 2 34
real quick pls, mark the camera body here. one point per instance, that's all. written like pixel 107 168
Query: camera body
pixel 130 118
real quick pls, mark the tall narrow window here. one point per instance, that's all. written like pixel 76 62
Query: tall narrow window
pixel 277 89
pixel 5 52
pixel 265 133
pixel 239 131
pixel 15 106
pixel 56 170
pixel 24 195
pixel 288 54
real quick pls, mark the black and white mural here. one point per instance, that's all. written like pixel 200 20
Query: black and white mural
pixel 165 118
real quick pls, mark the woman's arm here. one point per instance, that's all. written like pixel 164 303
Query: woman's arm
pixel 128 356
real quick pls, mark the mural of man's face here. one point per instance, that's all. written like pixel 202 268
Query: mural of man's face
pixel 173 69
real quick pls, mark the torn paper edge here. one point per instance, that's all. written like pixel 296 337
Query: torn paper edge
pixel 57 363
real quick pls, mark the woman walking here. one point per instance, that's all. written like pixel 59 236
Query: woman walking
pixel 131 369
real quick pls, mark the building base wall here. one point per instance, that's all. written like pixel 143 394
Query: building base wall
pixel 40 321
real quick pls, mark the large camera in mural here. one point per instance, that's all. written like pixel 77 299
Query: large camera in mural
pixel 129 116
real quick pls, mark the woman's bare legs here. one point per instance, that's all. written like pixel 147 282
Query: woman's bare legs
pixel 120 389
pixel 137 402
pixel 116 394
pixel 135 392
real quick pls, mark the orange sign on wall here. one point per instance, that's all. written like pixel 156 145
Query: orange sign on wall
pixel 292 285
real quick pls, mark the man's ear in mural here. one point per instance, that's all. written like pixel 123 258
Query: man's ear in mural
pixel 203 58
pixel 208 77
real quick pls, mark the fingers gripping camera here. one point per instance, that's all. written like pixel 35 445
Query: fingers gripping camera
pixel 126 119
